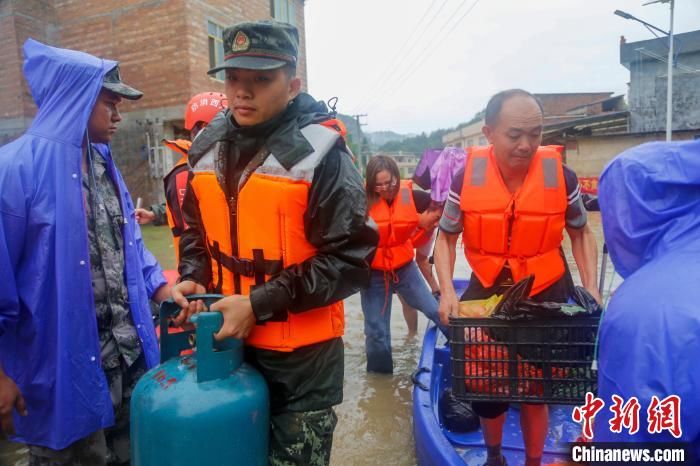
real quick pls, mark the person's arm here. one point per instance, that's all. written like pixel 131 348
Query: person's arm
pixel 585 251
pixel 445 255
pixel 583 243
pixel 157 287
pixel 446 249
pixel 10 399
pixel 143 216
pixel 13 232
pixel 195 265
pixel 160 217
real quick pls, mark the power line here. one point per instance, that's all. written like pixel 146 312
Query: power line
pixel 401 80
pixel 407 71
pixel 400 54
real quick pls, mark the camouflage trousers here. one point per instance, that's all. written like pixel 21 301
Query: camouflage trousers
pixel 105 447
pixel 303 438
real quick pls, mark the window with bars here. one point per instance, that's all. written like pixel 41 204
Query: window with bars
pixel 216 48
pixel 284 10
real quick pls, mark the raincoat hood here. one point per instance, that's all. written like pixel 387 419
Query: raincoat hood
pixel 65 85
pixel 650 202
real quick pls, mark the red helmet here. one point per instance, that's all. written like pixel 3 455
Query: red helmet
pixel 203 107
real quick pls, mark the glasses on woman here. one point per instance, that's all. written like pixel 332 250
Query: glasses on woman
pixel 386 186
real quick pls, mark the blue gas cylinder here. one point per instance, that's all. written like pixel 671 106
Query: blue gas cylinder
pixel 208 408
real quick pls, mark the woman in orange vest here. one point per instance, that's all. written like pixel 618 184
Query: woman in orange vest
pixel 393 208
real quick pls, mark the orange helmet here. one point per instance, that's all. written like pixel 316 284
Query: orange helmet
pixel 203 107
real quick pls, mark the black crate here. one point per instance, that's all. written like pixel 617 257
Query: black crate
pixel 533 361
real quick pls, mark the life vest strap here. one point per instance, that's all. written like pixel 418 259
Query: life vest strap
pixel 257 268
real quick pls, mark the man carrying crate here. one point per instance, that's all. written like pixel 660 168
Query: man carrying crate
pixel 512 201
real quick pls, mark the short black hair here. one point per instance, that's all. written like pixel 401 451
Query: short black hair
pixel 493 108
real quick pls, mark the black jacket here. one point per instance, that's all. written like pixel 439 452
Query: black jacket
pixel 336 221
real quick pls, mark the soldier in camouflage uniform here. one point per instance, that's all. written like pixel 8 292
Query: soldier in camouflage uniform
pixel 265 126
pixel 80 379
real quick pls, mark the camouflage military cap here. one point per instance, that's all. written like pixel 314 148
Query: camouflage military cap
pixel 259 45
pixel 113 81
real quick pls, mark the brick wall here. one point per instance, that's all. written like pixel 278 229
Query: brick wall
pixel 559 104
pixel 162 47
pixel 19 20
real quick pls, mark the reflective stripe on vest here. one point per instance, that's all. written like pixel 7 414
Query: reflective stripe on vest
pixel 523 229
pixel 271 237
pixel 396 223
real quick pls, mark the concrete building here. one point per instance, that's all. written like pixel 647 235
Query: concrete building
pixel 592 141
pixel 558 107
pixel 164 47
pixel 647 63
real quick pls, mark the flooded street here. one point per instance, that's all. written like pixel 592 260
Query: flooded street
pixel 375 420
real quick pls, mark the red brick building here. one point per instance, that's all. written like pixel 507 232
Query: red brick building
pixel 164 47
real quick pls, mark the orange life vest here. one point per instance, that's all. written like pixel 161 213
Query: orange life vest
pixel 270 235
pixel 421 237
pixel 397 223
pixel 178 175
pixel 523 229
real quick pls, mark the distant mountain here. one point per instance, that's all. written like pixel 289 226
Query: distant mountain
pixel 379 138
pixel 420 142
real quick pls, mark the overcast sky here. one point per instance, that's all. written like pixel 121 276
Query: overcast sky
pixel 420 65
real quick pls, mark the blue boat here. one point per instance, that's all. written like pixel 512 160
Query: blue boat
pixel 436 445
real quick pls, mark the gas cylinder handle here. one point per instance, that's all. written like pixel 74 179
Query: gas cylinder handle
pixel 172 344
pixel 215 360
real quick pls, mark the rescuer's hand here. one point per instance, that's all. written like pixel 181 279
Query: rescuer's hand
pixel 596 294
pixel 239 318
pixel 178 294
pixel 10 399
pixel 144 216
pixel 449 306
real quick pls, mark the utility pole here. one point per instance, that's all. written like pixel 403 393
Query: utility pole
pixel 357 119
pixel 362 143
pixel 669 89
pixel 669 79
pixel 669 82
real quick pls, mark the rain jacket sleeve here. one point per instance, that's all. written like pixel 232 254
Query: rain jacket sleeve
pixel 194 260
pixel 150 268
pixel 336 224
pixel 152 273
pixel 12 236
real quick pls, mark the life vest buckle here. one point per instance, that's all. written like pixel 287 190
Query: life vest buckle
pixel 245 267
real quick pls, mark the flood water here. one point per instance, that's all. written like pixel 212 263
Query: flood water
pixel 375 420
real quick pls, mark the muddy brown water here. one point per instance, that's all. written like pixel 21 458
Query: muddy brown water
pixel 374 420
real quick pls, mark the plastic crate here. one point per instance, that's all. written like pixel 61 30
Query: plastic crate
pixel 533 361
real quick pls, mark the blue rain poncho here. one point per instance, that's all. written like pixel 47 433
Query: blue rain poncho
pixel 650 333
pixel 48 334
